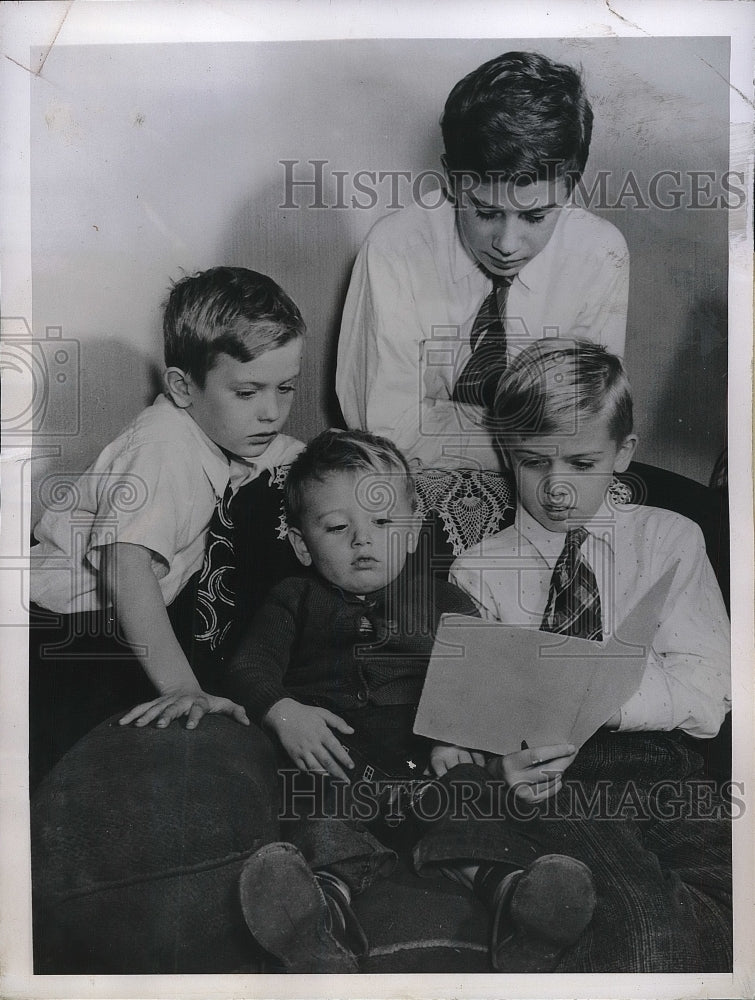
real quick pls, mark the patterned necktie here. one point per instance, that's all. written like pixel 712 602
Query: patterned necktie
pixel 573 606
pixel 477 383
pixel 216 592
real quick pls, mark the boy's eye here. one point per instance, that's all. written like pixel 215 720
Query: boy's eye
pixel 583 466
pixel 333 529
pixel 533 217
pixel 382 521
pixel 486 216
pixel 534 463
pixel 286 388
pixel 245 393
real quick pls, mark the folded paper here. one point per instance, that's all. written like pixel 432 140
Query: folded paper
pixel 492 687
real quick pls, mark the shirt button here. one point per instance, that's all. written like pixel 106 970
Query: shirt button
pixel 362 696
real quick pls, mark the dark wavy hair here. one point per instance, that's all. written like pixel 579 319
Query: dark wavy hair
pixel 520 117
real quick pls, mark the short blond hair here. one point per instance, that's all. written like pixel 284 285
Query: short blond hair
pixel 552 383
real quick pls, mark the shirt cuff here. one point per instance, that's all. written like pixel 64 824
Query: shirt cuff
pixel 650 707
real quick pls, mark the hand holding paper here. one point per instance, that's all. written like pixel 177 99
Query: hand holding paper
pixel 534 773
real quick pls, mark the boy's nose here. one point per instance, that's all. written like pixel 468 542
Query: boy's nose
pixel 269 410
pixel 506 237
pixel 361 536
pixel 555 486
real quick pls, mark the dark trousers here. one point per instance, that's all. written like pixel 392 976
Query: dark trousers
pixel 656 838
pixel 342 826
pixel 80 673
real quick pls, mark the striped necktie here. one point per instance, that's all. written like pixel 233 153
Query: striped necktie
pixel 216 592
pixel 477 383
pixel 573 606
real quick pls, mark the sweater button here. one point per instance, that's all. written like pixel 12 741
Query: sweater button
pixel 362 696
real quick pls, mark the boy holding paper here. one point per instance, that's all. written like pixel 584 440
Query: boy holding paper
pixel 573 563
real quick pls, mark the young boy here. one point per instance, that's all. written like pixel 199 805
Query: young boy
pixel 152 512
pixel 574 563
pixel 443 294
pixel 337 659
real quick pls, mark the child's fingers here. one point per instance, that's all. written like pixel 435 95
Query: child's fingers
pixel 196 712
pixel 478 758
pixel 538 792
pixel 238 712
pixel 321 762
pixel 333 768
pixel 135 713
pixel 152 713
pixel 541 755
pixel 439 766
pixel 336 750
pixel 336 722
pixel 308 762
pixel 175 709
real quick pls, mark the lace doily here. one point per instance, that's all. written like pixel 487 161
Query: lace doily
pixel 278 478
pixel 471 504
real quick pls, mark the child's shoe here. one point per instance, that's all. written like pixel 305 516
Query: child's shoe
pixel 303 919
pixel 539 912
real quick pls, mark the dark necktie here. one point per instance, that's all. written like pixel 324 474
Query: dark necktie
pixel 573 606
pixel 477 383
pixel 216 592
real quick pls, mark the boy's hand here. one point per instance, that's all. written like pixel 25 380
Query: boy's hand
pixel 306 734
pixel 194 703
pixel 536 772
pixel 444 756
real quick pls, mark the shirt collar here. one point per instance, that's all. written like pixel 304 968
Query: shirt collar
pixel 535 275
pixel 550 543
pixel 213 462
pixel 218 467
pixel 461 262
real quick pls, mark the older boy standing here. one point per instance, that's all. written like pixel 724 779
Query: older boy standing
pixel 441 297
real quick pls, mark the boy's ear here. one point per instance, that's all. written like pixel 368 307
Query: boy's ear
pixel 625 453
pixel 179 386
pixel 299 546
pixel 412 537
pixel 505 459
pixel 449 186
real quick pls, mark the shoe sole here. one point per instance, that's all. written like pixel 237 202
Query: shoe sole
pixel 286 911
pixel 550 907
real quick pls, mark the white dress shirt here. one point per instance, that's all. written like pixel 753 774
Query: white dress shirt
pixel 156 486
pixel 687 679
pixel 413 297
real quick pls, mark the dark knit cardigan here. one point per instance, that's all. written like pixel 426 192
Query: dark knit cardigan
pixel 314 642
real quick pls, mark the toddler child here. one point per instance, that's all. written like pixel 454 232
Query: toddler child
pixel 333 666
pixel 150 527
pixel 574 563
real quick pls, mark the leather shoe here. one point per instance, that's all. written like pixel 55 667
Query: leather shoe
pixel 307 929
pixel 539 912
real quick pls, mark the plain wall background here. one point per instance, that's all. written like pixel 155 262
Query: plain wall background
pixel 151 161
